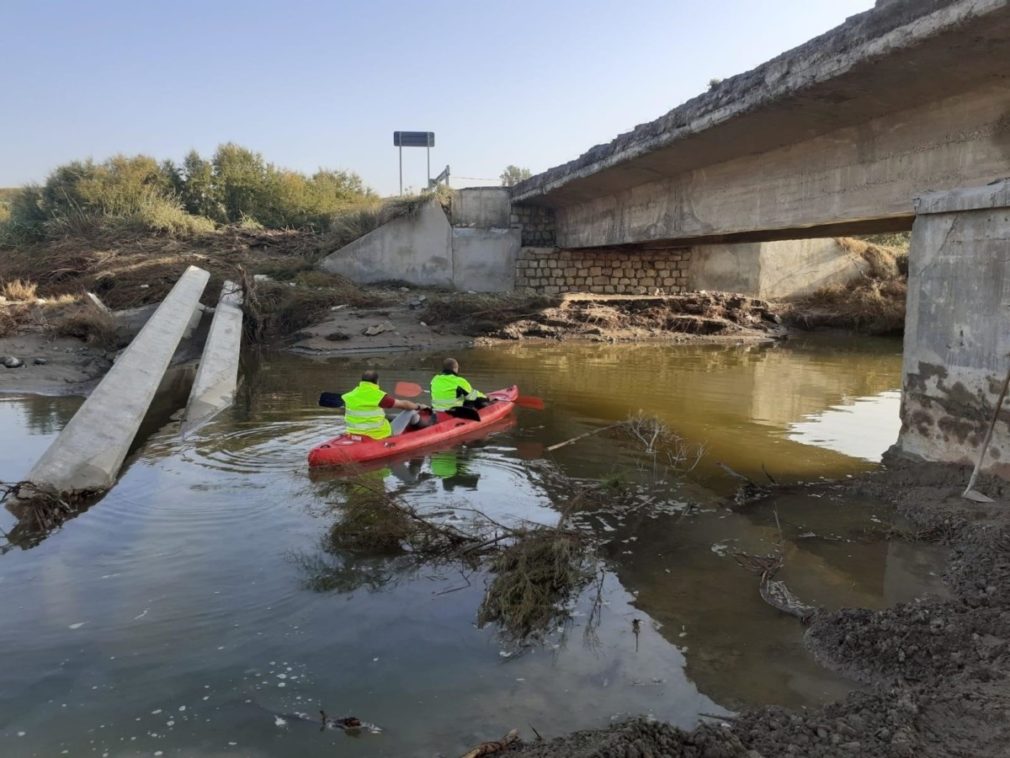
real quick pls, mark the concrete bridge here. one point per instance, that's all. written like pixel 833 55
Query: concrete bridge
pixel 898 119
pixel 837 136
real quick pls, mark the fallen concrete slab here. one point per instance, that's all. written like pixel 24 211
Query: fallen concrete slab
pixel 216 379
pixel 89 452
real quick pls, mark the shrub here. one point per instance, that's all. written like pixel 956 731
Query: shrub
pixel 167 217
pixel 234 186
pixel 17 290
pixel 88 323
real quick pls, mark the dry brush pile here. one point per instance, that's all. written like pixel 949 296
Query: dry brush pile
pixel 873 303
pixel 535 571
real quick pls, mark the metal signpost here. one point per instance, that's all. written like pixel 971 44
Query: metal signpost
pixel 414 139
pixel 443 177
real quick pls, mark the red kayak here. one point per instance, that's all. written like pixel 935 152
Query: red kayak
pixel 354 449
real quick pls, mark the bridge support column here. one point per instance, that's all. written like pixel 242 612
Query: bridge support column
pixel 957 327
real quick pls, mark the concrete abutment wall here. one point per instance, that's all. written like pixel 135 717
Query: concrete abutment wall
pixel 957 328
pixel 771 270
pixel 476 251
pixel 547 271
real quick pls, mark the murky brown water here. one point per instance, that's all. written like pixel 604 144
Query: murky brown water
pixel 179 615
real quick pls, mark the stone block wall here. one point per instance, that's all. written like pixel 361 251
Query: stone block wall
pixel 537 223
pixel 549 271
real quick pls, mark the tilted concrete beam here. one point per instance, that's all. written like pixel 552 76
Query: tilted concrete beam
pixel 89 452
pixel 216 378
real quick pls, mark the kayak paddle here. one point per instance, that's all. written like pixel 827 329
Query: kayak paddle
pixel 331 400
pixel 407 389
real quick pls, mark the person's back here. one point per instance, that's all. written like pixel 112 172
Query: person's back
pixel 364 408
pixel 449 390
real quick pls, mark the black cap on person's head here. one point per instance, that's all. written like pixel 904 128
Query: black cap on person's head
pixel 370 375
pixel 450 365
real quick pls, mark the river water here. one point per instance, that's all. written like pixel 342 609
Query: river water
pixel 184 613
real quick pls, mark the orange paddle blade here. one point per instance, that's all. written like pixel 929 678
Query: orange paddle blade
pixel 529 401
pixel 407 389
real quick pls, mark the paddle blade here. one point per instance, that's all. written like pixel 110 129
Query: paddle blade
pixel 977 496
pixel 331 400
pixel 528 401
pixel 407 389
pixel 530 451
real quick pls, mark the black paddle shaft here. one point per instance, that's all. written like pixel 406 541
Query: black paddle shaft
pixel 331 400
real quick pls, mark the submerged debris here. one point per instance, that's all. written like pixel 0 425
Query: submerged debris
pixel 39 511
pixel 494 746
pixel 656 438
pixel 774 591
pixel 778 596
pixel 534 579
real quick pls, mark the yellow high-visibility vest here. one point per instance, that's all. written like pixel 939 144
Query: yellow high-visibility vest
pixel 362 412
pixel 444 395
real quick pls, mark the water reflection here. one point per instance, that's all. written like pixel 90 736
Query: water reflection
pixel 179 588
pixel 862 427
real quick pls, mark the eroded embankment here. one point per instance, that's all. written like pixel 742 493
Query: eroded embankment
pixel 936 670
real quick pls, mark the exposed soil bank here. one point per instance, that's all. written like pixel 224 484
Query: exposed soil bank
pixel 297 305
pixel 51 365
pixel 936 670
pixel 437 320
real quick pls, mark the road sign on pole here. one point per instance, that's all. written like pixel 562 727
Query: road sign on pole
pixel 414 139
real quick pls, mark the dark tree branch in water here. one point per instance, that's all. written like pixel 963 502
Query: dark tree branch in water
pixel 39 511
pixel 773 591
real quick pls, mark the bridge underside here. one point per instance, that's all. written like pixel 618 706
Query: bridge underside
pixel 856 180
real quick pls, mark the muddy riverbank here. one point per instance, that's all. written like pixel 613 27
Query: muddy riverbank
pixel 419 320
pixel 935 670
pixel 324 314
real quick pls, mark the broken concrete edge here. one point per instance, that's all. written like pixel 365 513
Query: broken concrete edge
pixel 91 448
pixel 993 195
pixel 217 376
pixel 860 40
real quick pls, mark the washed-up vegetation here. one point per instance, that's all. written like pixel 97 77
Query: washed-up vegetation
pixel 88 323
pixel 39 511
pixel 874 303
pixel 275 309
pixel 535 571
pixel 483 313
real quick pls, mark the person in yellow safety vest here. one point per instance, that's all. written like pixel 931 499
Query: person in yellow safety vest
pixel 365 408
pixel 450 390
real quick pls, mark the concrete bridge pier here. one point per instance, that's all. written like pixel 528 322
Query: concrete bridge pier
pixel 957 327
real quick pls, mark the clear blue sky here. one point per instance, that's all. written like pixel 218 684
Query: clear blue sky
pixel 310 84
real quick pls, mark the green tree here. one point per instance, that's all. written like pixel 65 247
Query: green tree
pixel 512 175
pixel 199 192
pixel 240 177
